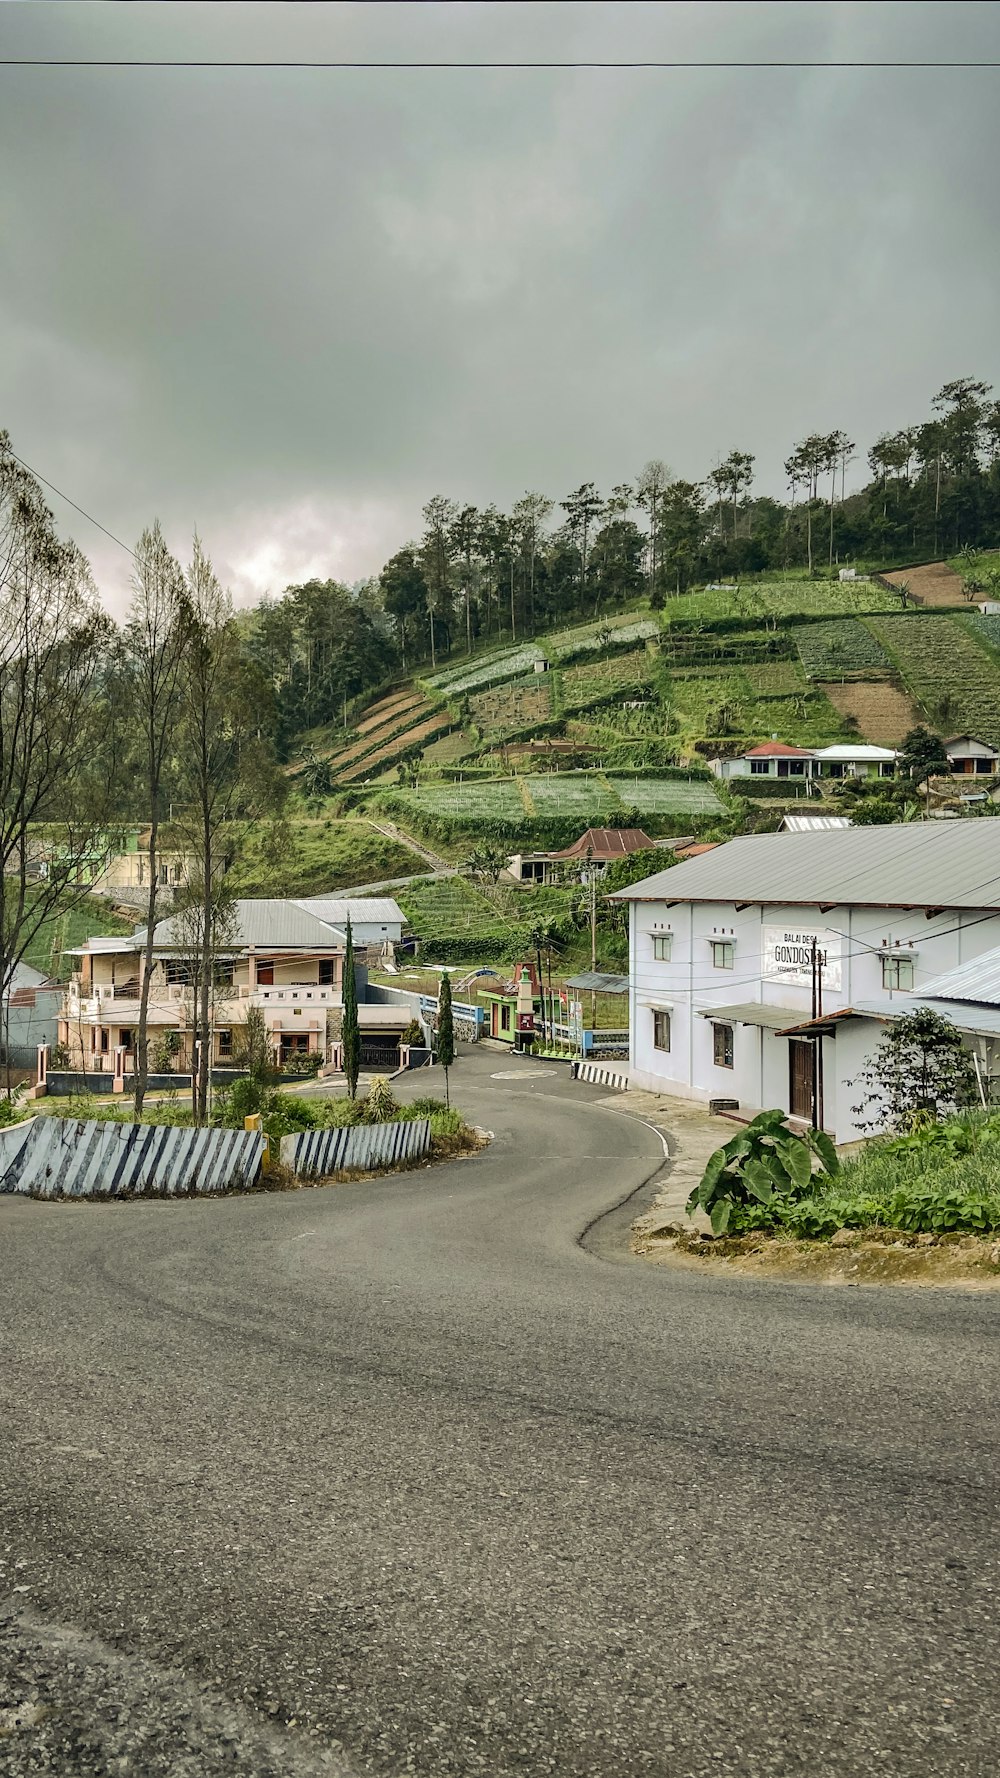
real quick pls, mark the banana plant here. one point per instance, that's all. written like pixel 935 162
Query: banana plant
pixel 764 1161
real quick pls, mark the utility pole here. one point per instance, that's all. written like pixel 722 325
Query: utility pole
pixel 813 951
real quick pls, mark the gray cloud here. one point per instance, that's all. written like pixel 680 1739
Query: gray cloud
pixel 288 307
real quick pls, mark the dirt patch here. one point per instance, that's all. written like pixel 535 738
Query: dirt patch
pixel 883 713
pixel 944 1262
pixel 378 714
pixel 400 743
pixel 933 583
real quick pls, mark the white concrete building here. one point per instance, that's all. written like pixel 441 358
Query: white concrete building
pixel 721 971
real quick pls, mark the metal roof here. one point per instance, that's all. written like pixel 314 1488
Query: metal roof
pixel 267 925
pixel 361 910
pixel 954 864
pixel 978 1021
pixel 974 1021
pixel 854 750
pixel 978 980
pixel 591 981
pixel 753 1012
pixel 813 823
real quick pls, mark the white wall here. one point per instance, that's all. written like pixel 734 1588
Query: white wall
pixel 689 985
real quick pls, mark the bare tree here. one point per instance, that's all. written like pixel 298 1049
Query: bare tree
pixel 154 656
pixel 649 491
pixel 220 770
pixel 530 514
pixel 58 724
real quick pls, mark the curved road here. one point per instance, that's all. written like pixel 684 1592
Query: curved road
pixel 399 1477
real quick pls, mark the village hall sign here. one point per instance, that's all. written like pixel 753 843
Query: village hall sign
pixel 786 956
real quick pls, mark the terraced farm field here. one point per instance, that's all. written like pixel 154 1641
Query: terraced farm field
pixel 489 669
pixel 510 709
pixel 483 800
pixel 383 739
pixel 590 798
pixel 391 749
pixel 804 715
pixel 389 709
pixel 791 598
pixel 841 648
pixel 589 682
pixel 584 794
pixel 775 679
pixel 667 796
pixel 883 713
pixel 940 658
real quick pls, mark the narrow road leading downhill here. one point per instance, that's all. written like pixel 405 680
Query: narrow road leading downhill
pixel 400 1477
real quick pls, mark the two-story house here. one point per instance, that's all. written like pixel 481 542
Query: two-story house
pixel 285 957
pixel 764 971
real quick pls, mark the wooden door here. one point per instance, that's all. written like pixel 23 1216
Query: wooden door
pixel 800 1078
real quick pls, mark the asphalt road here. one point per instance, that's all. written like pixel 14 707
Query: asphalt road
pixel 399 1477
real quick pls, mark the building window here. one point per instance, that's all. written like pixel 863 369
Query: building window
pixel 897 972
pixel 722 1046
pixel 887 769
pixel 760 768
pixel 661 946
pixel 177 971
pixel 723 953
pixel 327 972
pixel 505 1018
pixel 125 1038
pixel 661 1030
pixel 265 972
pixel 225 1043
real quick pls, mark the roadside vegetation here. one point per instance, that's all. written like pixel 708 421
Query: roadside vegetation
pixel 933 1168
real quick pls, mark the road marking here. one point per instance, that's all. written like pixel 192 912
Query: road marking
pixel 524 1074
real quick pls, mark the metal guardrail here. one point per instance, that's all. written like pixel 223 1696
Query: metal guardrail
pixel 63 1157
pixel 315 1154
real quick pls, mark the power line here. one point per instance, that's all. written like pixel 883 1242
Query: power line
pixel 80 509
pixel 449 66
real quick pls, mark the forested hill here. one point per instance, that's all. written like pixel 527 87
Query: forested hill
pixel 484 577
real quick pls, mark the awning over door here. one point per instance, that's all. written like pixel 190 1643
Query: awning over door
pixel 773 1018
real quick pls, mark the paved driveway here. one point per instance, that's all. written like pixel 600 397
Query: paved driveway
pixel 405 1467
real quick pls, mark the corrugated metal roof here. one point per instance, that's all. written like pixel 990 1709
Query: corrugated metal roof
pixel 854 750
pixel 978 1021
pixel 608 842
pixel 813 823
pixel 978 980
pixel 267 925
pixel 752 1012
pixel 591 981
pixel 953 864
pixel 362 910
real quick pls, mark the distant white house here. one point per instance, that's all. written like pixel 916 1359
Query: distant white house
pixel 777 759
pixel 971 757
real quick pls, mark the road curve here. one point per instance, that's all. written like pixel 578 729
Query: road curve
pixel 399 1477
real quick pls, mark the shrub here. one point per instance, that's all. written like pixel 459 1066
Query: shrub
pixel 764 1163
pixel 381 1105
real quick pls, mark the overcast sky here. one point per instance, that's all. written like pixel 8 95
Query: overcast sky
pixel 287 307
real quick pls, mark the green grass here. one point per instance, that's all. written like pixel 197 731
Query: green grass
pixel 60 932
pixel 303 856
pixel 803 716
pixel 795 598
pixel 955 677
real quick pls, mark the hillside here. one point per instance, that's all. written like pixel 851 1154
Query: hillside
pixel 614 720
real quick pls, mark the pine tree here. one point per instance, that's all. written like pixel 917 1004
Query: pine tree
pixel 445 1032
pixel 351 1032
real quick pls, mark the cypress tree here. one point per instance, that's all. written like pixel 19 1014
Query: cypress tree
pixel 351 1032
pixel 445 1032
